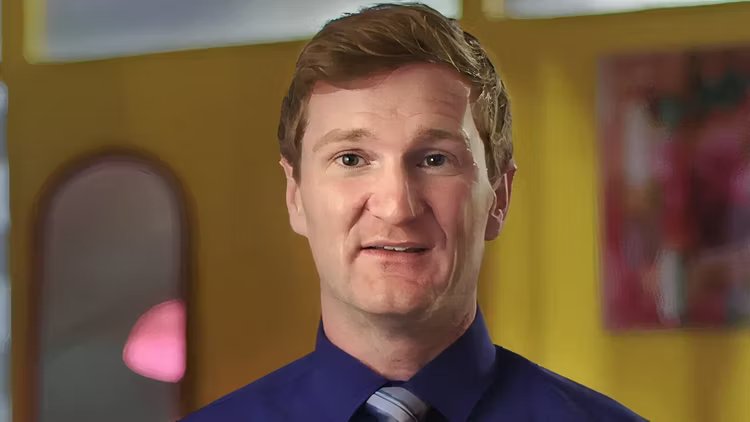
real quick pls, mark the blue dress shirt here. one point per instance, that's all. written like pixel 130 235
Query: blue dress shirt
pixel 472 380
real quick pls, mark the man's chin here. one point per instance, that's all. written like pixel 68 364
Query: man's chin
pixel 412 309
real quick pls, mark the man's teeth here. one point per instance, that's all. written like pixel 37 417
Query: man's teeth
pixel 395 248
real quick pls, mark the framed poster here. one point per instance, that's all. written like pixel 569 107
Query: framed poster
pixel 674 135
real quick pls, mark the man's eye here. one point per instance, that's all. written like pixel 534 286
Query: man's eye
pixel 434 160
pixel 350 160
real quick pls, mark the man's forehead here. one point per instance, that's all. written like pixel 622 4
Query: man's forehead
pixel 388 98
pixel 416 96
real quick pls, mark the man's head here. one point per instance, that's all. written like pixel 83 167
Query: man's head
pixel 395 140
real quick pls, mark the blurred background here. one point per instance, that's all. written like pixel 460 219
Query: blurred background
pixel 146 264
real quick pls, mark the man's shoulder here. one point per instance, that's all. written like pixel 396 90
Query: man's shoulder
pixel 264 399
pixel 550 396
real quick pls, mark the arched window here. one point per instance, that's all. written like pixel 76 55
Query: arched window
pixel 111 292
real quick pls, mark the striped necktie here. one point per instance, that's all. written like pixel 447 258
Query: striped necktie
pixel 396 404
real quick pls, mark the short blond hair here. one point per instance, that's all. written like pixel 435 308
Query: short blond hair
pixel 385 37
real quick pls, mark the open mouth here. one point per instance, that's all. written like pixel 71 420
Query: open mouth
pixel 397 249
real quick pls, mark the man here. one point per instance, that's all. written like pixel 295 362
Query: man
pixel 395 143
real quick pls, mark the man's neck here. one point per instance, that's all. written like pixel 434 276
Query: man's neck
pixel 396 348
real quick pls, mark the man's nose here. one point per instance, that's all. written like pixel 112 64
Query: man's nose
pixel 396 197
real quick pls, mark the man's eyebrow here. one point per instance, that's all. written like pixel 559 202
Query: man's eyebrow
pixel 427 134
pixel 338 135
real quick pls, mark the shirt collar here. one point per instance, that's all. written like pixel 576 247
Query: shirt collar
pixel 456 379
pixel 343 382
pixel 452 383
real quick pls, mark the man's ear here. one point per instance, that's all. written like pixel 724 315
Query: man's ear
pixel 294 200
pixel 502 188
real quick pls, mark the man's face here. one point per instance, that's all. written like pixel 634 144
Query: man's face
pixel 393 194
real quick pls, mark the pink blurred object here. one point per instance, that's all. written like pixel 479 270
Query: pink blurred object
pixel 156 346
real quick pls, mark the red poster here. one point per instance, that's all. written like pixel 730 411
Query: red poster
pixel 675 160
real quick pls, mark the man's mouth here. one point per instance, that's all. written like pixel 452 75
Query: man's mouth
pixel 405 249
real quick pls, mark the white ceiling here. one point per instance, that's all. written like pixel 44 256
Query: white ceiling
pixel 554 8
pixel 90 29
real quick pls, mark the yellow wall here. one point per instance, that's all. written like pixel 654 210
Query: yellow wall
pixel 211 116
pixel 541 287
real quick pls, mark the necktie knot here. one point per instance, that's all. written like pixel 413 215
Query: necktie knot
pixel 396 404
